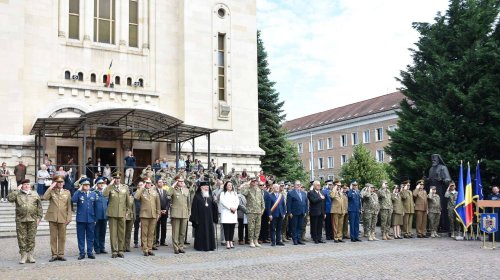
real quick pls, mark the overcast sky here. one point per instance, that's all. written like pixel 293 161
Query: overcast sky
pixel 328 53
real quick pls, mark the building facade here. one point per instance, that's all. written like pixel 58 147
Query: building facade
pixel 330 136
pixel 194 60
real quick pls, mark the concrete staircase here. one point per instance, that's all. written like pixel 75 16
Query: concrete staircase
pixel 8 221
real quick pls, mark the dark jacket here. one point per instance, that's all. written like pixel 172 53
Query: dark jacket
pixel 316 204
pixel 294 204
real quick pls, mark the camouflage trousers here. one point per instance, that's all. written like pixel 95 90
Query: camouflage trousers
pixel 385 220
pixel 454 224
pixel 433 220
pixel 370 221
pixel 26 232
pixel 253 225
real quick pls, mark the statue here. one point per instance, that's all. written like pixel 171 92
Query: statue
pixel 440 178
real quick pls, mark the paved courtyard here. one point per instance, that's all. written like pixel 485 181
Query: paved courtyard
pixel 396 259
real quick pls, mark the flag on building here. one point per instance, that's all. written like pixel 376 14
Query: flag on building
pixel 463 209
pixel 108 76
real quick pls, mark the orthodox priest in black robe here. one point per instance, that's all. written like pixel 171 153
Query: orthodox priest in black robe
pixel 203 216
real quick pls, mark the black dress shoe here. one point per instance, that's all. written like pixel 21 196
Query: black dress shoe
pixel 104 252
pixel 120 255
pixel 53 259
pixel 81 257
pixel 273 244
pixel 182 251
pixel 358 240
pixel 341 241
pixel 295 243
pixel 353 240
pixel 316 242
pixel 155 248
pixel 176 252
pixel 114 256
pixel 163 244
pixel 280 244
pixel 301 243
pixel 420 236
pixel 151 253
pixel 321 241
pixel 62 259
pixel 335 241
pixel 146 254
pixel 127 250
pixel 187 243
pixel 91 257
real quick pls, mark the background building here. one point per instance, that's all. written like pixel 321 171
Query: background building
pixel 193 60
pixel 335 132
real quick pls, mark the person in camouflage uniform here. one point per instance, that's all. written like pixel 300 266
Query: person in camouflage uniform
pixel 385 202
pixel 372 207
pixel 434 207
pixel 255 208
pixel 28 215
pixel 452 194
pixel 408 209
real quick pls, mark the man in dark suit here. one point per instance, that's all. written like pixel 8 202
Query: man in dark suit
pixel 354 209
pixel 161 224
pixel 296 208
pixel 316 212
pixel 276 211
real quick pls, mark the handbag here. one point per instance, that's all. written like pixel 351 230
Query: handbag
pixel 48 182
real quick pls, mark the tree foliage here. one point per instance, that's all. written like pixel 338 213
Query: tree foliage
pixel 363 168
pixel 281 158
pixel 452 90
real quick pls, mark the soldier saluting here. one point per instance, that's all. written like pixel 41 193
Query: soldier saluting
pixel 28 215
pixel 118 203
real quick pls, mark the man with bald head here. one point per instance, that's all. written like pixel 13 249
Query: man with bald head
pixel 316 212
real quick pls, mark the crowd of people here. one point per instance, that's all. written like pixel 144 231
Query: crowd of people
pixel 264 210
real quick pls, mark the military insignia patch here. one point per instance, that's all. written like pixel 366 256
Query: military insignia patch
pixel 489 222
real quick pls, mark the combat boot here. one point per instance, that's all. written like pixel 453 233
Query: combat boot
pixel 389 237
pixel 251 244
pixel 384 236
pixel 370 237
pixel 256 243
pixel 374 237
pixel 31 259
pixel 365 234
pixel 453 234
pixel 24 257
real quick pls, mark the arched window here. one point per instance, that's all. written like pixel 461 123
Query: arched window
pixel 129 81
pixel 117 80
pixel 104 78
pixel 92 78
pixel 80 76
pixel 67 75
pixel 141 82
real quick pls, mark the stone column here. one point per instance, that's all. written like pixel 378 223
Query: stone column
pixel 88 21
pixel 63 18
pixel 122 22
pixel 145 23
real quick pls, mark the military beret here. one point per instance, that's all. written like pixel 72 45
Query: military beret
pixel 58 178
pixel 25 181
pixel 84 181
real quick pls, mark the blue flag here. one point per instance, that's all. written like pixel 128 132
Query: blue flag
pixel 478 190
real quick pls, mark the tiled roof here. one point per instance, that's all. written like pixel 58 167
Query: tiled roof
pixel 367 107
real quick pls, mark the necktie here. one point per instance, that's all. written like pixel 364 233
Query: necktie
pixel 300 195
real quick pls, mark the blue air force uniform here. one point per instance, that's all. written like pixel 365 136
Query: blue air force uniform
pixel 85 220
pixel 354 209
pixel 101 219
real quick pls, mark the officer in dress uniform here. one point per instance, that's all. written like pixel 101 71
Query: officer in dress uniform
pixel 180 211
pixel 354 209
pixel 85 217
pixel 59 216
pixel 28 214
pixel 150 212
pixel 118 203
pixel 101 217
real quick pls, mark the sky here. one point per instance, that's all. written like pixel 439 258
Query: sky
pixel 328 53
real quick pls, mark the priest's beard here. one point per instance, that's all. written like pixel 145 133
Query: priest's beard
pixel 205 194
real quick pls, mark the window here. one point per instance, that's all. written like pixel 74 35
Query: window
pixel 366 136
pixel 379 155
pixel 74 19
pixel 320 163
pixel 379 134
pixel 141 82
pixel 321 144
pixel 104 78
pixel 392 128
pixel 329 142
pixel 133 24
pixel 330 162
pixel 300 148
pixel 80 76
pixel 221 66
pixel 117 80
pixel 129 81
pixel 104 21
pixel 330 177
pixel 67 75
pixel 343 159
pixel 343 140
pixel 92 78
pixel 354 138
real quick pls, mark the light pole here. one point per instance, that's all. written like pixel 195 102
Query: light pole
pixel 312 157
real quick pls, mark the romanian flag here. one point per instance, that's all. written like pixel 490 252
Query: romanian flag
pixel 464 199
pixel 108 77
